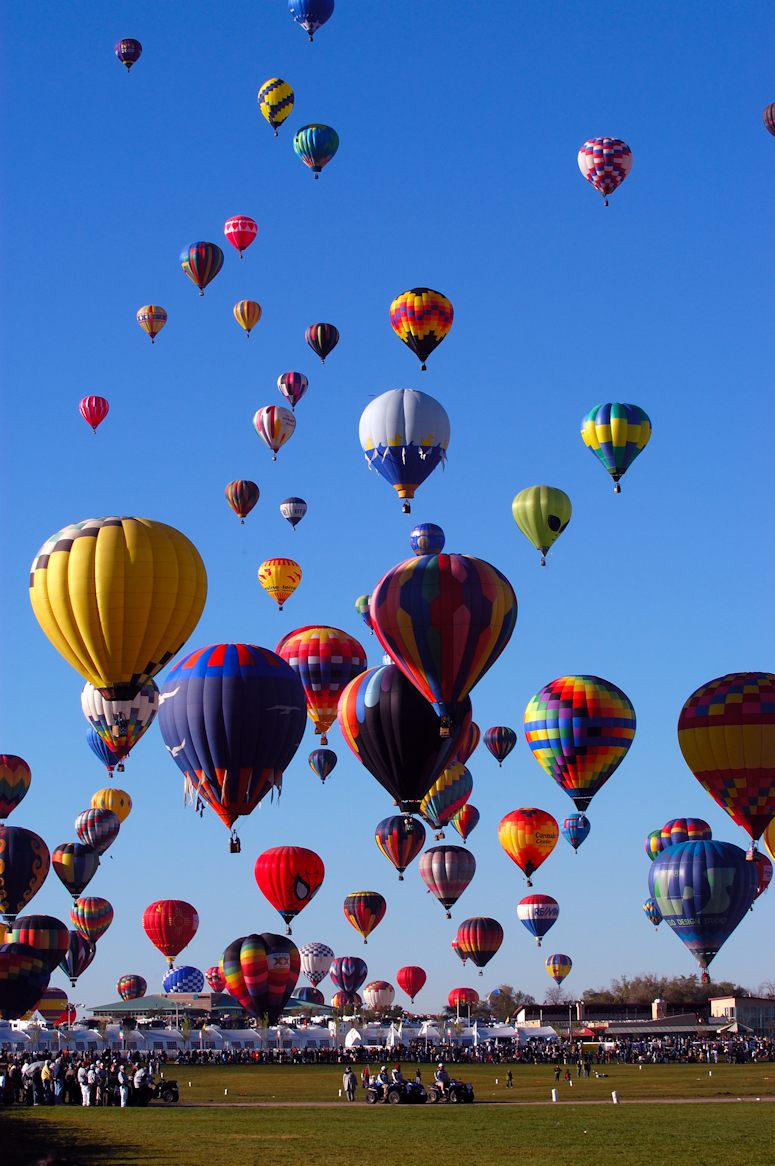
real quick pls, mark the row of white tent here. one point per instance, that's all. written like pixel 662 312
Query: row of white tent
pixel 374 1036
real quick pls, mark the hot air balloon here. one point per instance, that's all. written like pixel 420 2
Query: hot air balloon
pixel 685 830
pixel 91 916
pixel 115 799
pixel 541 513
pixel 247 313
pixel 232 717
pixel 558 966
pixel 379 995
pixel 463 998
pixel 726 732
pixel 201 262
pixel 309 996
pixel 275 101
pixel 322 762
pixel 362 607
pixel 575 829
pixel 460 952
pixel 703 890
pixel 400 838
pixel 322 339
pixel 768 839
pixel 15 778
pixel 101 750
pixel 24 864
pixel 652 912
pixel 48 937
pixel 446 872
pixel 52 1003
pixel 80 953
pixel 348 973
pixel 616 433
pixel 480 937
pixel 316 145
pixel 170 924
pixel 538 913
pixel 763 872
pixel 131 987
pixel 311 14
pixel 500 740
pixel 528 835
pixel 444 619
pixel 293 386
pixel 241 231
pixel 580 728
pixel 768 118
pixel 128 51
pixel 75 865
pixel 242 495
pixel 182 978
pixel 261 972
pixel 316 961
pixel 364 910
pixel 465 820
pixel 404 435
pixel 427 539
pixel 289 877
pixel 121 723
pixel 346 1001
pixel 151 318
pixel 469 741
pixel 325 659
pixel 293 510
pixel 215 979
pixel 23 979
pixel 605 162
pixel 279 578
pixel 152 583
pixel 94 410
pixel 654 844
pixel 421 318
pixel 451 790
pixel 393 730
pixel 274 425
pixel 411 979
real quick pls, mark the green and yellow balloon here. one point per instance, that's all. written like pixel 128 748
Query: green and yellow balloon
pixel 542 513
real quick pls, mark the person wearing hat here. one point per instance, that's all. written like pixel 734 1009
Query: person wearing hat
pixel 383 1080
pixel 349 1083
pixel 123 1085
pixel 396 1075
pixel 441 1077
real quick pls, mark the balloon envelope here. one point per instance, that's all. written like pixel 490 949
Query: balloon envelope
pixel 201 262
pixel 348 973
pixel 325 659
pixel 575 828
pixel 480 937
pixel 131 987
pixel 616 433
pixel 316 145
pixel 363 910
pixel 97 829
pixel 15 779
pixel 421 318
pixel 404 435
pixel 24 977
pixel 446 872
pixel 542 514
pixel 426 538
pixel 411 979
pixel 183 978
pixel 400 838
pixel 24 864
pixel 311 14
pixel 91 916
pixel 261 972
pixel 170 924
pixel 605 163
pixel 47 936
pixel 275 101
pixel 316 961
pixel 289 877
pixel 80 953
pixel 75 865
pixel 528 835
pixel 538 913
pixel 242 495
pixel 322 339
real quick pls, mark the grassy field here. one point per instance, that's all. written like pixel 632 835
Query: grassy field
pixel 211 1129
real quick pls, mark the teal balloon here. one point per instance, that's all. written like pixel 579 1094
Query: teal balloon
pixel 316 146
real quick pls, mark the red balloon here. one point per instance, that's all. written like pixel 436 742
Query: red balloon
pixel 463 998
pixel 94 410
pixel 763 872
pixel 411 980
pixel 289 876
pixel 240 230
pixel 170 924
pixel 469 740
pixel 216 979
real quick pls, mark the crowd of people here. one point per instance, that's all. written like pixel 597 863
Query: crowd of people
pixel 66 1079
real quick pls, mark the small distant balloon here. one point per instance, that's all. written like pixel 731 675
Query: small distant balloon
pixel 115 799
pixel 427 539
pixel 575 828
pixel 15 779
pixel 94 410
pixel 274 425
pixel 241 231
pixel 151 318
pixel 605 162
pixel 558 966
pixel 499 741
pixel 322 762
pixel 322 339
pixel 316 145
pixel 242 495
pixel 247 313
pixel 362 607
pixel 293 510
pixel 201 262
pixel 275 101
pixel 128 51
pixel 293 386
pixel 616 433
pixel 542 514
pixel 311 14
pixel 768 117
pixel 279 578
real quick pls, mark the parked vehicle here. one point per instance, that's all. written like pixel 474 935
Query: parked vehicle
pixel 406 1093
pixel 457 1092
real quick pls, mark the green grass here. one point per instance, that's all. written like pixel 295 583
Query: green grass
pixel 236 1134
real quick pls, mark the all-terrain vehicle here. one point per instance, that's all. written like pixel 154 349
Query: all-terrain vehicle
pixel 457 1092
pixel 406 1093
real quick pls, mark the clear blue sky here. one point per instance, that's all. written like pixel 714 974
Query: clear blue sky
pixel 459 128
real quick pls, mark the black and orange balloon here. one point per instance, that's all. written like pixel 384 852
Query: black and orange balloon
pixel 363 910
pixel 24 865
pixel 400 838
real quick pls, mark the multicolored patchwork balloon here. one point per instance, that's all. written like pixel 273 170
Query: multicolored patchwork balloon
pixel 616 433
pixel 131 987
pixel 449 792
pixel 652 912
pixel 121 723
pixel 325 659
pixel 275 101
pixel 654 844
pixel 182 978
pixel 364 910
pixel 605 162
pixel 261 972
pixel 685 830
pixel 91 916
pixel 421 318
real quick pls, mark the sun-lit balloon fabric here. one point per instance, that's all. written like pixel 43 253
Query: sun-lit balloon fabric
pixel 15 779
pixel 52 1003
pixel 364 910
pixel 91 916
pixel 241 231
pixel 379 994
pixel 444 619
pixel 685 830
pixel 275 101
pixel 274 424
pixel 499 741
pixel 97 828
pixel 463 998
pixel 726 732
pixel 201 262
pixel 309 995
pixel 170 924
pixel 242 495
pixel 580 728
pixel 293 510
pixel 232 718
pixel 768 118
pixel 446 872
pixel 289 877
pixel 400 839
pixel 616 433
pixel 316 145
pixel 421 318
pixel 152 586
pixel 24 865
pixel 131 987
pixel 465 820
pixel 279 578
pixel 311 14
pixel 652 912
pixel 480 937
pixel 316 961
pixel 151 318
pixel 115 799
pixel 94 410
pixel 528 835
pixel 261 972
pixel 247 313
pixel 574 829
pixel 322 763
pixel 605 163
pixel 763 872
pixel 411 979
pixel 538 913
pixel 128 51
pixel 49 937
pixel 348 972
pixel 101 751
pixel 362 607
pixel 542 514
pixel 79 955
pixel 322 339
pixel 325 659
pixel 293 386
pixel 23 980
pixel 426 538
pixel 215 979
pixel 558 966
pixel 449 792
pixel 469 740
pixel 183 978
pixel 768 838
pixel 404 435
pixel 703 890
pixel 120 723
pixel 75 865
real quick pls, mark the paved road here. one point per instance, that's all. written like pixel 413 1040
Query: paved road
pixel 339 1104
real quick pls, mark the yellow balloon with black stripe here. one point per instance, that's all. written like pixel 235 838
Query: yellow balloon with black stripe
pixel 275 100
pixel 247 313
pixel 542 513
pixel 118 598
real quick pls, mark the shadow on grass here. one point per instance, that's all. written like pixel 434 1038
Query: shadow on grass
pixel 25 1143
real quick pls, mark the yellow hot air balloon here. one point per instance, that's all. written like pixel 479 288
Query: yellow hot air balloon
pixel 279 578
pixel 151 319
pixel 118 597
pixel 115 799
pixel 542 513
pixel 247 313
pixel 768 838
pixel 275 100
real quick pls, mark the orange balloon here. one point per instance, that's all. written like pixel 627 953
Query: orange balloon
pixel 528 836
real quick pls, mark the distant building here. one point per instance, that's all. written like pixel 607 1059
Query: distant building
pixel 756 1013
